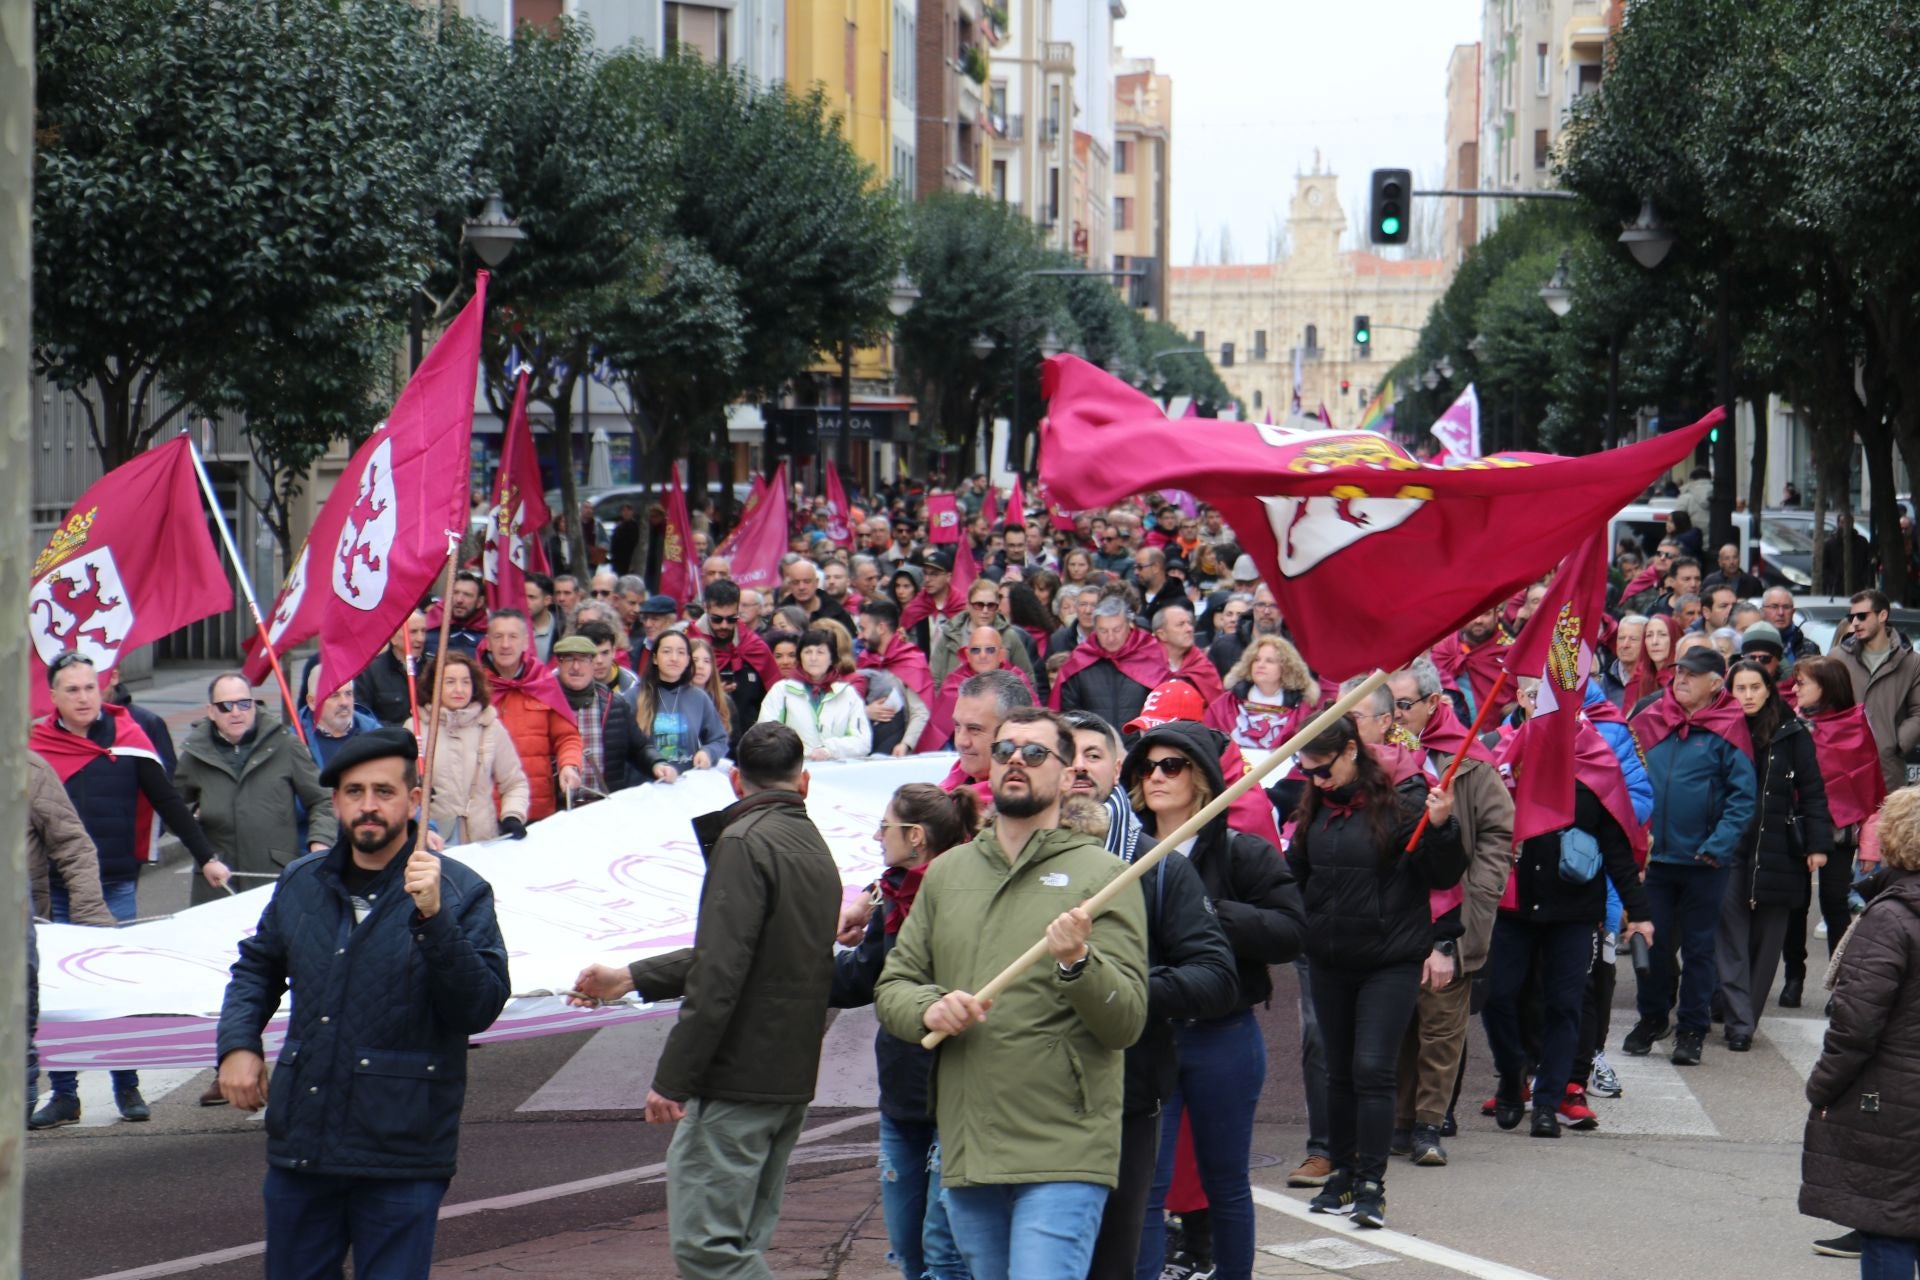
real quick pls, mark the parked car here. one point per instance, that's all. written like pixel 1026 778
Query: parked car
pixel 1791 529
pixel 1781 563
pixel 607 500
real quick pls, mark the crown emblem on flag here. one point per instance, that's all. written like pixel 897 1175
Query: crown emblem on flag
pixel 1563 655
pixel 66 540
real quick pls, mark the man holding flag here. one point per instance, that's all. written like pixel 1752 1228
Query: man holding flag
pixel 1573 819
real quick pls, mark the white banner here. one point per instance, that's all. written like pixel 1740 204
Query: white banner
pixel 614 882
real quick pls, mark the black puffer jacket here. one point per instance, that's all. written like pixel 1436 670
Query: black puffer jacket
pixel 1191 975
pixel 1546 897
pixel 1861 1163
pixel 1790 821
pixel 904 1068
pixel 1105 690
pixel 1368 906
pixel 1252 890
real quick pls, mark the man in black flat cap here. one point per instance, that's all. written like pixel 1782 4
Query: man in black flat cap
pixel 398 960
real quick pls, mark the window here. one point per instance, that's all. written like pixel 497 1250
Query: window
pixel 997 103
pixel 965 147
pixel 851 69
pixel 1259 401
pixel 903 171
pixel 1259 344
pixel 1587 79
pixel 1541 149
pixel 1540 70
pixel 1122 213
pixel 1053 195
pixel 903 68
pixel 1053 113
pixel 544 14
pixel 1000 181
pixel 1313 338
pixel 1200 338
pixel 1123 156
pixel 701 26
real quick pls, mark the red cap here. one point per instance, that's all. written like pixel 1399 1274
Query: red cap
pixel 1173 700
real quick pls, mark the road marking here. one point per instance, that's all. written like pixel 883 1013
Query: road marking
pixel 1407 1246
pixel 1330 1252
pixel 1655 1099
pixel 97 1109
pixel 514 1200
pixel 610 1072
pixel 849 1075
pixel 1798 1040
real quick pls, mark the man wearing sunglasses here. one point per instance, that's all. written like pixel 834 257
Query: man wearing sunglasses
pixel 1031 1085
pixel 1886 681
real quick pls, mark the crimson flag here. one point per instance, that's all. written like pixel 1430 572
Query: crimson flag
pixel 679 576
pixel 989 507
pixel 1062 518
pixel 132 561
pixel 943 518
pixel 755 495
pixel 1371 554
pixel 1557 644
pixel 514 546
pixel 965 568
pixel 1016 504
pixel 761 539
pixel 839 532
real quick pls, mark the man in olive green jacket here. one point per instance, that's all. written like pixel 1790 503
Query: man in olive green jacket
pixel 1028 1089
pixel 740 1065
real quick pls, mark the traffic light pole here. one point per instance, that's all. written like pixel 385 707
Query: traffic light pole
pixel 1479 193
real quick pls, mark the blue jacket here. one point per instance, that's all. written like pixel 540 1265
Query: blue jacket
pixel 1627 752
pixel 323 745
pixel 1703 798
pixel 373 1073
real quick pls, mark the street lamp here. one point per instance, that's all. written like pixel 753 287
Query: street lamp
pixel 983 346
pixel 1445 367
pixel 1557 293
pixel 904 295
pixel 1431 378
pixel 493 234
pixel 1648 239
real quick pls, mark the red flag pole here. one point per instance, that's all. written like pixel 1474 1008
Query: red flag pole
pixel 1480 717
pixel 246 586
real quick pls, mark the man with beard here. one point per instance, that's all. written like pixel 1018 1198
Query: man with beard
pixel 399 961
pixel 468 627
pixel 1471 661
pixel 1025 1170
pixel 741 657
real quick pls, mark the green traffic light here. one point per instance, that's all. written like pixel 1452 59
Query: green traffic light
pixel 1363 337
pixel 1390 226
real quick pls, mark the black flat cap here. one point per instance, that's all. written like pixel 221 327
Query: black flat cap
pixel 377 744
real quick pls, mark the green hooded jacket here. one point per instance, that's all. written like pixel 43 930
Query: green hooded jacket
pixel 1034 1093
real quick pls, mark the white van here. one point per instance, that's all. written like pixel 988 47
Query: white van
pixel 1648 523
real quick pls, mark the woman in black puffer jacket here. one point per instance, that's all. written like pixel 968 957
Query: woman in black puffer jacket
pixel 1791 837
pixel 1170 774
pixel 1369 930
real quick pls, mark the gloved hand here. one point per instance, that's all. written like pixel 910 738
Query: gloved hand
pixel 514 828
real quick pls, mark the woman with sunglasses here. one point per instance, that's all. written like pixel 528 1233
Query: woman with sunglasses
pixel 821 704
pixel 1171 773
pixel 921 823
pixel 982 609
pixel 1369 932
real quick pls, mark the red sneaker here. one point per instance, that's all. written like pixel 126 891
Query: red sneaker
pixel 1574 1111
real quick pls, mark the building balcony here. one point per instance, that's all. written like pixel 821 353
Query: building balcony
pixel 1056 55
pixel 1011 128
pixel 1306 355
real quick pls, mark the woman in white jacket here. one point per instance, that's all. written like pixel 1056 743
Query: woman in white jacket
pixel 818 703
pixel 479 789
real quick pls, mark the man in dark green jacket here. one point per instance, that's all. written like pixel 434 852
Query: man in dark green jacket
pixel 739 1067
pixel 1028 1090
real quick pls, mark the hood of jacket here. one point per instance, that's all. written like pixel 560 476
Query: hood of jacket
pixel 1192 739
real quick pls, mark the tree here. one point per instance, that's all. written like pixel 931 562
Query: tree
pixel 215 183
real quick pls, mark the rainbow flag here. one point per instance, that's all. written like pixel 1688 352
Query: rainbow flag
pixel 1379 415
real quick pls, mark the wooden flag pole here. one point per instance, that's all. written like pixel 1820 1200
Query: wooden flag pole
pixel 246 586
pixel 1480 717
pixel 1191 827
pixel 439 690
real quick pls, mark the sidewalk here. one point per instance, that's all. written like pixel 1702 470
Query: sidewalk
pixel 830 1229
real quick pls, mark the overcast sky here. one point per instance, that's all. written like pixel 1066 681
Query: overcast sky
pixel 1259 84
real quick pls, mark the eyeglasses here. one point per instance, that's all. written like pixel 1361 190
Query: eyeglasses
pixel 722 619
pixel 1168 766
pixel 988 605
pixel 1407 704
pixel 1032 754
pixel 881 832
pixel 1318 771
pixel 1766 659
pixel 982 649
pixel 603 595
pixel 1859 617
pixel 232 705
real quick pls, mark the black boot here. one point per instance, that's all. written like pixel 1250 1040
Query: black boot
pixel 1545 1123
pixel 1509 1109
pixel 1790 993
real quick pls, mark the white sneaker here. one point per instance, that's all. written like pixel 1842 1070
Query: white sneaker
pixel 1606 1081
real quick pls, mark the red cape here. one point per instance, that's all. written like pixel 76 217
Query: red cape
pixel 1639 582
pixel 1253 813
pixel 747 650
pixel 1481 664
pixel 1446 733
pixel 1595 766
pixel 475 621
pixel 538 683
pixel 69 753
pixel 924 606
pixel 1141 659
pixel 1198 669
pixel 1722 717
pixel 958 777
pixel 1849 764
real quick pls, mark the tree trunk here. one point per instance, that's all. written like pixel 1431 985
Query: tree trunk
pixel 1885 515
pixel 559 401
pixel 1724 460
pixel 1757 484
pixel 1819 567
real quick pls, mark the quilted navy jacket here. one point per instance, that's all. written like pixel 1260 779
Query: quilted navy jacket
pixel 374 1069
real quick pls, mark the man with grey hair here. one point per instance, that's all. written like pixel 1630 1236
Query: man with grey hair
pixel 1436 1043
pixel 864 576
pixel 1112 673
pixel 1373 714
pixel 1262 619
pixel 983 702
pixel 629 593
pixel 1070 634
pixel 714 568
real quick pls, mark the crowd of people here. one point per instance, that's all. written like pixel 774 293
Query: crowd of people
pixel 1100 685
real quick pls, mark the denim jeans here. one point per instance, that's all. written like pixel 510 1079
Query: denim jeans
pixel 1027 1230
pixel 1685 909
pixel 1562 954
pixel 1364 1015
pixel 917 1227
pixel 312 1219
pixel 1222 1068
pixel 120 902
pixel 1888 1257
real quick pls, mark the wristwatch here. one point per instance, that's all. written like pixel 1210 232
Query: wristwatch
pixel 1074 970
pixel 1445 947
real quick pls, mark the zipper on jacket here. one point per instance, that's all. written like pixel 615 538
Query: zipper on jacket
pixel 1759 831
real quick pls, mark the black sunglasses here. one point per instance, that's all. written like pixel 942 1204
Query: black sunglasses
pixel 1169 766
pixel 1320 771
pixel 1859 617
pixel 1032 754
pixel 722 619
pixel 1407 704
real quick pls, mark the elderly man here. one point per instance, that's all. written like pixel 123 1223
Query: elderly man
pixel 753 611
pixel 567 594
pixel 534 712
pixel 984 701
pixel 659 614
pixel 399 962
pixel 1700 757
pixel 382 686
pixel 864 575
pixel 604 586
pixel 107 766
pixel 713 569
pixel 328 719
pixel 629 594
pixel 1727 572
pixel 1436 1043
pixel 615 752
pixel 1261 619
pixel 801 578
pixel 1111 674
pixel 1776 606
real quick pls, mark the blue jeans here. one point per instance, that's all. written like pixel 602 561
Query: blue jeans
pixel 312 1219
pixel 120 902
pixel 1222 1068
pixel 1564 952
pixel 1685 902
pixel 1888 1258
pixel 1027 1230
pixel 917 1226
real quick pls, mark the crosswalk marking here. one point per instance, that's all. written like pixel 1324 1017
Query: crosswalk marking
pixel 1330 1252
pixel 96 1094
pixel 1798 1040
pixel 849 1075
pixel 610 1072
pixel 1655 1099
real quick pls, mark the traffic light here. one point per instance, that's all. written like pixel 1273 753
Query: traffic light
pixel 1343 386
pixel 1363 333
pixel 1226 355
pixel 1392 189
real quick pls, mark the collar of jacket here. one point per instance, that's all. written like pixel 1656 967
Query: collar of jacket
pixel 1049 842
pixel 709 827
pixel 207 744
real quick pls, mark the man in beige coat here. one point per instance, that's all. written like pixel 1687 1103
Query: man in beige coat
pixel 55 837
